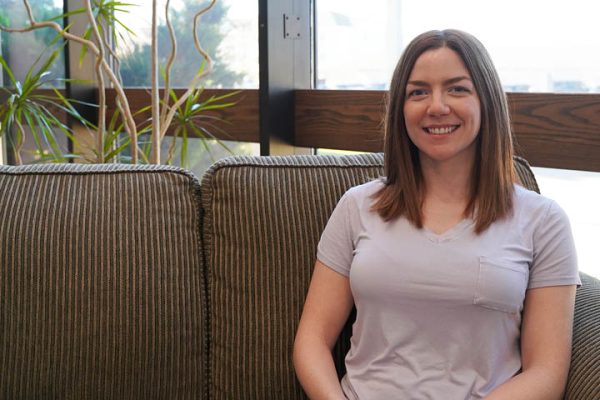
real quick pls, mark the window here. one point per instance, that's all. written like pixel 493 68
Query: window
pixel 228 32
pixel 577 192
pixel 537 46
pixel 21 51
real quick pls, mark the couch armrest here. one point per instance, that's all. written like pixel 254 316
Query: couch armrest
pixel 584 374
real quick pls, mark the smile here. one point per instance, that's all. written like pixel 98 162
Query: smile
pixel 441 130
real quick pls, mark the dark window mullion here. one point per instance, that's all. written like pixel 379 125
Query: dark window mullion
pixel 285 64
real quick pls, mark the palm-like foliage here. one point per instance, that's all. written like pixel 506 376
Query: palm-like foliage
pixel 191 120
pixel 27 106
pixel 105 14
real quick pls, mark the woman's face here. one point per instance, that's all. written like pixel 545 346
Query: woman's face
pixel 442 111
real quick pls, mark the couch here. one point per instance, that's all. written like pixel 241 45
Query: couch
pixel 140 282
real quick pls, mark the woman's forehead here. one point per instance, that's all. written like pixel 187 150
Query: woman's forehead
pixel 439 64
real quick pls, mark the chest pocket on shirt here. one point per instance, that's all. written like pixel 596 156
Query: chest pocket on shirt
pixel 501 285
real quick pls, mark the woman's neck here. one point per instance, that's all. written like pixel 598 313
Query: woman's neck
pixel 446 195
pixel 447 182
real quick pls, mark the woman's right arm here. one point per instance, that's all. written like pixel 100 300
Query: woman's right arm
pixel 327 307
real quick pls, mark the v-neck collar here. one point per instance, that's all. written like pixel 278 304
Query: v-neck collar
pixel 449 234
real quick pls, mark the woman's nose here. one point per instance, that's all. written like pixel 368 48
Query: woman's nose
pixel 438 105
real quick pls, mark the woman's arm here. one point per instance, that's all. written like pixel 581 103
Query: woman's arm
pixel 546 334
pixel 327 307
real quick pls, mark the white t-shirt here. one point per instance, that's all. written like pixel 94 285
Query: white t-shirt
pixel 439 316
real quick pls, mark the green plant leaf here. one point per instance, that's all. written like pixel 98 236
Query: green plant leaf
pixel 118 150
pixel 36 138
pixel 47 124
pixel 67 14
pixel 86 35
pixel 8 71
pixel 184 150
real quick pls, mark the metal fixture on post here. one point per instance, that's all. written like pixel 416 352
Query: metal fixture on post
pixel 286 63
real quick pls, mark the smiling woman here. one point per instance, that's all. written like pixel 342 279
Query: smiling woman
pixel 442 110
pixel 463 281
pixel 442 82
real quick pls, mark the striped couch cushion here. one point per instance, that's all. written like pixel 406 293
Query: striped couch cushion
pixel 262 219
pixel 100 283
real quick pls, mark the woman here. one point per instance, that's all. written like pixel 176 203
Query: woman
pixel 463 282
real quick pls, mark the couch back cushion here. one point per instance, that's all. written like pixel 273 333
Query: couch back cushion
pixel 263 217
pixel 100 283
pixel 262 220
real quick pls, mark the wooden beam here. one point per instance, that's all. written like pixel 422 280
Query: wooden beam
pixel 552 130
pixel 340 119
pixel 557 130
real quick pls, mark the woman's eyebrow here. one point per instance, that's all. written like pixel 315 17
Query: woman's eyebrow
pixel 417 83
pixel 457 79
pixel 446 82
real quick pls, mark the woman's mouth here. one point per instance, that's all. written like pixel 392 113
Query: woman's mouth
pixel 441 130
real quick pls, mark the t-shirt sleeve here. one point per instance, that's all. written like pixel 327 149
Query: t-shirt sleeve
pixel 554 256
pixel 336 247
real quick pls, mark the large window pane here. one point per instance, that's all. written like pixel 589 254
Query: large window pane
pixel 537 46
pixel 228 32
pixel 577 192
pixel 21 50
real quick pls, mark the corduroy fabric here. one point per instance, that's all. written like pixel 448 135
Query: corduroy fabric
pixel 524 174
pixel 584 374
pixel 101 287
pixel 262 219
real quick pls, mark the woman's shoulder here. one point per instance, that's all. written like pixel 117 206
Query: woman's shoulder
pixel 532 204
pixel 361 197
pixel 530 197
pixel 365 190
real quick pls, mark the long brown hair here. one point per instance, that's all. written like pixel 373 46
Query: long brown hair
pixel 493 173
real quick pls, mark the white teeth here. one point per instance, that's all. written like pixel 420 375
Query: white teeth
pixel 440 131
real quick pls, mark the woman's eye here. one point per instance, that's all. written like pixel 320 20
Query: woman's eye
pixel 459 89
pixel 416 92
